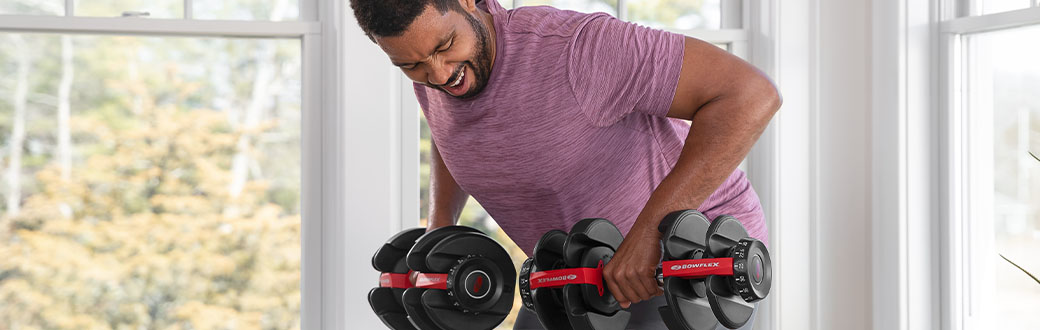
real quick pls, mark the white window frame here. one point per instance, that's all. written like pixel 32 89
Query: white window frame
pixel 964 169
pixel 922 198
pixel 322 102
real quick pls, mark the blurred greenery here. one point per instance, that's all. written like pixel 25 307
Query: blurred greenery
pixel 145 237
pixel 148 229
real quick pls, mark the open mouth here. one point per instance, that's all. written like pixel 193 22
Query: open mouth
pixel 458 86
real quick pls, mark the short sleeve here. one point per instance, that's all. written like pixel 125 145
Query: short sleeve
pixel 616 68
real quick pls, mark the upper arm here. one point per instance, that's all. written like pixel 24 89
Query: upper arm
pixel 617 68
pixel 710 73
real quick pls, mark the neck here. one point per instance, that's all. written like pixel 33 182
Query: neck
pixel 489 22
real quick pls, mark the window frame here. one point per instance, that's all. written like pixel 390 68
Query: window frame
pixel 320 102
pixel 961 166
pixel 921 170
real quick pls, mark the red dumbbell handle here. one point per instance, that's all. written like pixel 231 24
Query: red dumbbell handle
pixel 424 281
pixel 688 269
pixel 559 277
pixel 696 268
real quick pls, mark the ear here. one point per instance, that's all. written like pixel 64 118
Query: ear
pixel 468 5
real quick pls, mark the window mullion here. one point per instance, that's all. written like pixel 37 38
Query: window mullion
pixel 965 8
pixel 732 14
pixel 187 9
pixel 69 9
pixel 622 13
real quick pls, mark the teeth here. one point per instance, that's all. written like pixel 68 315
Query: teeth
pixel 459 79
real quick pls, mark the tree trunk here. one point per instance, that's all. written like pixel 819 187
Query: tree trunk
pixel 14 170
pixel 259 100
pixel 64 156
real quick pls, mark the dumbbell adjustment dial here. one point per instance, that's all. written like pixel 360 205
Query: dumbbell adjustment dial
pixel 471 284
pixel 751 270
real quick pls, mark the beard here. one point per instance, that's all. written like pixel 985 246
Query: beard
pixel 480 62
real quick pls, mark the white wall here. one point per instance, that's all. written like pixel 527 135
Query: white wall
pixel 364 204
pixel 843 229
pixel 820 199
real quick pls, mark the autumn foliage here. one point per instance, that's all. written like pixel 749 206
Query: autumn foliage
pixel 148 235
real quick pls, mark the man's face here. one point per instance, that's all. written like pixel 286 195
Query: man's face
pixel 449 51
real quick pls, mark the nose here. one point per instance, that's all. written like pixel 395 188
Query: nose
pixel 439 74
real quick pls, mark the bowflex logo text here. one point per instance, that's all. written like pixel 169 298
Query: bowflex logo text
pixel 558 278
pixel 697 265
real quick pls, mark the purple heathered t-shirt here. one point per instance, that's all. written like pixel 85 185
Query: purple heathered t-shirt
pixel 572 125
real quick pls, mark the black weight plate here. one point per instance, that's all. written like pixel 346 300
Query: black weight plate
pixel 581 318
pixel 412 302
pixel 389 258
pixel 683 233
pixel 444 313
pixel 549 308
pixel 416 258
pixel 723 234
pixel 688 307
pixel 589 233
pixel 386 303
pixel 548 252
pixel 547 303
pixel 589 242
pixel 729 308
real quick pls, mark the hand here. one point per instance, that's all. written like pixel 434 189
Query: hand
pixel 631 273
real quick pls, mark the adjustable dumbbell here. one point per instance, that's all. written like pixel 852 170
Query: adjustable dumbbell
pixel 393 280
pixel 741 273
pixel 712 272
pixel 465 281
pixel 562 283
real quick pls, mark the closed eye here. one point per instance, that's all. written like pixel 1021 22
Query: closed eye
pixel 447 46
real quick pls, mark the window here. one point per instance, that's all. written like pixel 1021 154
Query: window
pixel 995 125
pixel 714 21
pixel 152 170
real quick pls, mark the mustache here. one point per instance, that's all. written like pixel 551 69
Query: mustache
pixel 454 75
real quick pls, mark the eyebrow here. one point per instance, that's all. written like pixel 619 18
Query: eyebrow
pixel 439 45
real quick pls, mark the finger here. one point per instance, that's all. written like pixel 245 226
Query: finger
pixel 650 281
pixel 629 283
pixel 615 288
pixel 649 285
pixel 634 281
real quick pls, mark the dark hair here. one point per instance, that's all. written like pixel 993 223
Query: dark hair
pixel 389 18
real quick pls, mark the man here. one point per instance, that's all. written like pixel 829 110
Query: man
pixel 547 117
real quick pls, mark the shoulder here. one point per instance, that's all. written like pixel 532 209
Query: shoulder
pixel 547 21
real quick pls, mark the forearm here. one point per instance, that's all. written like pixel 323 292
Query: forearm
pixel 447 199
pixel 721 135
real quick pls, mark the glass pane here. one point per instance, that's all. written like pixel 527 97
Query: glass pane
pixel 149 183
pixel 1003 78
pixel 996 6
pixel 473 215
pixel 676 14
pixel 32 7
pixel 585 6
pixel 250 10
pixel 117 8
